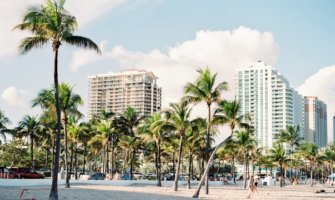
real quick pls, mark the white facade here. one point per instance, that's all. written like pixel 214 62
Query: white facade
pixel 316 121
pixel 117 91
pixel 268 98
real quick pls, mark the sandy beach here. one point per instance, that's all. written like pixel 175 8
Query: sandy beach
pixel 136 191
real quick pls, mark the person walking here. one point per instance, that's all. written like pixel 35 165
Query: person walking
pixel 252 187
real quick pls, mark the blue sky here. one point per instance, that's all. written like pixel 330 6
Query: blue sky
pixel 174 38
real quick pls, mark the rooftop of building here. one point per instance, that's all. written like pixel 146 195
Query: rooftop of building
pixel 125 73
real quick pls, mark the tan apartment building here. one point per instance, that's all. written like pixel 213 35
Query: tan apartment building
pixel 315 121
pixel 117 91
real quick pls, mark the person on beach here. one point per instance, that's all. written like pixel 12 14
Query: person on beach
pixel 252 187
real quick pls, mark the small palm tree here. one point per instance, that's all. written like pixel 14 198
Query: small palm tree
pixel 244 142
pixel 309 152
pixel 291 136
pixel 51 22
pixel 178 115
pixel 154 129
pixel 4 121
pixel 28 127
pixel 278 155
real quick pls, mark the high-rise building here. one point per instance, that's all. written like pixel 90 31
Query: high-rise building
pixel 316 121
pixel 268 98
pixel 117 91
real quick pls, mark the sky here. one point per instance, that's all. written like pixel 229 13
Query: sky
pixel 173 39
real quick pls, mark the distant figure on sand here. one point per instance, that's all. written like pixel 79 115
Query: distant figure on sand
pixel 252 187
pixel 117 176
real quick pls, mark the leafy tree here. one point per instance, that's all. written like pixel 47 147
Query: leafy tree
pixel 309 151
pixel 52 23
pixel 278 155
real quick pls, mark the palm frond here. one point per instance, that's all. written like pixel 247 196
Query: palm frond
pixel 32 42
pixel 82 42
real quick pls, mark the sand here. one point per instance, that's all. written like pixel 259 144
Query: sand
pixel 137 191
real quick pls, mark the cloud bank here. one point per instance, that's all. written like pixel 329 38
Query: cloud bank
pixel 221 51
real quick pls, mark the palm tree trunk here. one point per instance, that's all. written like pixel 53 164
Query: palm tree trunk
pixel 189 169
pixel 175 184
pixel 46 158
pixel 71 160
pixel 54 191
pixel 159 183
pixel 196 194
pixel 132 164
pixel 312 175
pixel 173 164
pixel 112 167
pixel 84 157
pixel 76 161
pixel 233 169
pixel 208 144
pixel 281 175
pixel 67 175
pixel 32 151
pixel 245 169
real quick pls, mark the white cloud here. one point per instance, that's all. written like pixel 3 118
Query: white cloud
pixel 14 97
pixel 11 12
pixel 222 51
pixel 322 85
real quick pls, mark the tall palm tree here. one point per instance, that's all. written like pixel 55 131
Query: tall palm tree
pixel 51 22
pixel 309 151
pixel 69 103
pixel 291 136
pixel 28 127
pixel 178 115
pixel 278 155
pixel 4 121
pixel 244 142
pixel 227 113
pixel 205 90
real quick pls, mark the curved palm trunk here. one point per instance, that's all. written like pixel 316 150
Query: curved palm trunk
pixel 84 158
pixel 76 161
pixel 281 175
pixel 175 184
pixel 131 163
pixel 196 194
pixel 54 191
pixel 208 145
pixel 112 163
pixel 32 151
pixel 67 175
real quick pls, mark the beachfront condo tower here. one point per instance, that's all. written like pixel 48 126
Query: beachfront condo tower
pixel 117 91
pixel 316 121
pixel 269 99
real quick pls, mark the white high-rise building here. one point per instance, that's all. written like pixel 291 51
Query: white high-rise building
pixel 117 91
pixel 268 98
pixel 316 121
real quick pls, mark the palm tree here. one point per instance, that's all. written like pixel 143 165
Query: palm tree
pixel 309 152
pixel 52 23
pixel 244 142
pixel 154 129
pixel 278 155
pixel 28 127
pixel 227 113
pixel 178 115
pixel 4 121
pixel 291 136
pixel 127 123
pixel 193 138
pixel 69 103
pixel 204 90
